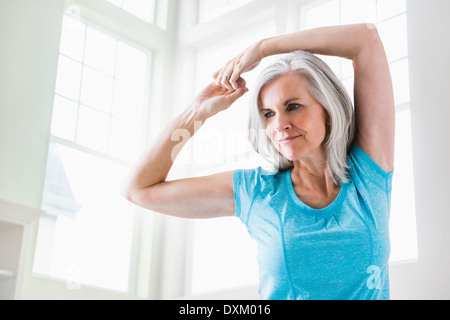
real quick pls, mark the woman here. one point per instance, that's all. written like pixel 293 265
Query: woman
pixel 321 218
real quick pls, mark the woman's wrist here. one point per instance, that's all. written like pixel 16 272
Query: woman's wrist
pixel 198 112
pixel 269 47
pixel 264 48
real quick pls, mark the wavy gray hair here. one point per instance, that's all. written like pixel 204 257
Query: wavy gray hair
pixel 326 88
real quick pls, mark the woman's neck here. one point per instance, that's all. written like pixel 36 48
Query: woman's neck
pixel 313 176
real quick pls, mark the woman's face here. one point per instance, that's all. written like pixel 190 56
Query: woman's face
pixel 295 121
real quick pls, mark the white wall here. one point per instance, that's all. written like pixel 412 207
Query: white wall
pixel 30 31
pixel 429 52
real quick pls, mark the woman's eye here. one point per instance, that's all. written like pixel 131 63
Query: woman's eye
pixel 294 106
pixel 268 114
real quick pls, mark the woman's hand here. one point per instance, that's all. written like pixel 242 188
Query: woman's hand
pixel 215 98
pixel 249 59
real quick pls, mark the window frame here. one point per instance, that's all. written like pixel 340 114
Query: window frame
pixel 124 27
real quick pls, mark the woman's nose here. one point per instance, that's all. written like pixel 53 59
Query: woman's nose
pixel 282 123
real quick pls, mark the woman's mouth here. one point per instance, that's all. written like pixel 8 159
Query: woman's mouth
pixel 289 139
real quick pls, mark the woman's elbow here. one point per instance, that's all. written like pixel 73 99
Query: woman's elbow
pixel 146 198
pixel 371 37
pixel 132 195
pixel 369 42
pixel 126 191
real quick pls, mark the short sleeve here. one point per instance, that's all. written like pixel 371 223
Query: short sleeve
pixel 364 169
pixel 245 184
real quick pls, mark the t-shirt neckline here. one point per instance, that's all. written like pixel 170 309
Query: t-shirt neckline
pixel 306 208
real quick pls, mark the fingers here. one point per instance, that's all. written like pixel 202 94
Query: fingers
pixel 236 76
pixel 229 80
pixel 229 75
pixel 241 82
pixel 216 74
pixel 236 94
pixel 224 77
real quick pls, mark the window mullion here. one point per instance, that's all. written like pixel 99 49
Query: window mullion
pixel 87 150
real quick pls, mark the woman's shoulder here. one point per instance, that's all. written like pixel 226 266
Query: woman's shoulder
pixel 259 177
pixel 362 167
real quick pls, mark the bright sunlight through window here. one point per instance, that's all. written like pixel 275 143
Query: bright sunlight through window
pixel 150 11
pixel 210 9
pixel 97 130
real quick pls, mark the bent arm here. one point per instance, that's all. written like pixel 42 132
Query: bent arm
pixel 202 197
pixel 373 92
pixel 345 41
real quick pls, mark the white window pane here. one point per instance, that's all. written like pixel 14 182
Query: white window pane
pixel 233 4
pixel 349 86
pixel 211 9
pixel 93 129
pixel 125 140
pixel 235 142
pixel 96 90
pixel 68 78
pixel 389 8
pixel 77 253
pixel 128 102
pixel 403 219
pixel 64 118
pixel 394 35
pixel 209 146
pixel 346 68
pixel 230 260
pixel 333 62
pixel 358 11
pixel 143 9
pixel 400 80
pixel 132 65
pixel 100 51
pixel 72 38
pixel 116 2
pixel 325 14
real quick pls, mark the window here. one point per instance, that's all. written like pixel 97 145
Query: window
pixel 151 11
pixel 210 9
pixel 390 18
pixel 86 234
pixel 143 9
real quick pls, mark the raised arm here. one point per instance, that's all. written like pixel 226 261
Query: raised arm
pixel 200 197
pixel 373 93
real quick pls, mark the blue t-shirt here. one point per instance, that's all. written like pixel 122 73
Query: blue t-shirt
pixel 339 252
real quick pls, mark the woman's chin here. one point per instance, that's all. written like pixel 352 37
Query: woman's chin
pixel 291 156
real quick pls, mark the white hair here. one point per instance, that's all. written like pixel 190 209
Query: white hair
pixel 326 88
